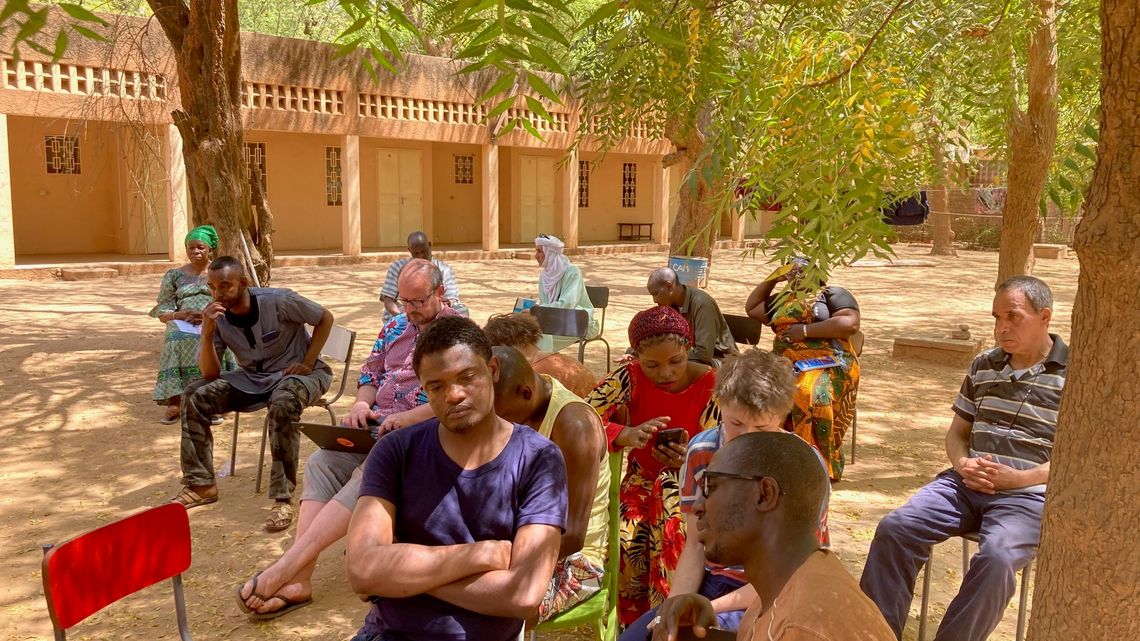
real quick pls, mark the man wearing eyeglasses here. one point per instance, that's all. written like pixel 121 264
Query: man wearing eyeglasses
pixel 999 444
pixel 419 246
pixel 758 506
pixel 388 397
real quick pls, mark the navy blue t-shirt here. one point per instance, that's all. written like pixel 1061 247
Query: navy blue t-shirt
pixel 439 503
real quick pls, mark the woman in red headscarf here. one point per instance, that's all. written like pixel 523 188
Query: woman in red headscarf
pixel 660 390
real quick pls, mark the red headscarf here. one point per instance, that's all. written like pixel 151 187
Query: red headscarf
pixel 657 321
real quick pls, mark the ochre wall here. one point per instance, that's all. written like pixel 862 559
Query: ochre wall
pixel 598 221
pixel 457 212
pixel 295 175
pixel 63 213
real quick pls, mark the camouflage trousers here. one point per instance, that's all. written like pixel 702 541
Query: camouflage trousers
pixel 203 400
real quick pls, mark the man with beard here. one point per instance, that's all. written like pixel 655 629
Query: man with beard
pixel 759 504
pixel 457 528
pixel 278 364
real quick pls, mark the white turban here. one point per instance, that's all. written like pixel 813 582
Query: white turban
pixel 553 265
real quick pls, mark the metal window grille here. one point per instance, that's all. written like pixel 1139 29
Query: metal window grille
pixel 255 158
pixel 629 184
pixel 62 154
pixel 583 183
pixel 332 177
pixel 465 170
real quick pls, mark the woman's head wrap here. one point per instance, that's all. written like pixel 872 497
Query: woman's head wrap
pixel 205 233
pixel 657 321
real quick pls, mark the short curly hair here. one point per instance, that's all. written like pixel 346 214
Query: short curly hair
pixel 757 380
pixel 447 332
pixel 513 330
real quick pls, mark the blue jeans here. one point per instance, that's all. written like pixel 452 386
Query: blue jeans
pixel 712 586
pixel 1009 527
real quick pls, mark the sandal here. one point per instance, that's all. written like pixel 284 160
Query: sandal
pixel 289 607
pixel 170 418
pixel 190 499
pixel 280 518
pixel 241 601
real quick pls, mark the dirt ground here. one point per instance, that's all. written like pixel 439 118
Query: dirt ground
pixel 82 444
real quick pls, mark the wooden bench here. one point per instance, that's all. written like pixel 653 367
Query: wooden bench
pixel 635 231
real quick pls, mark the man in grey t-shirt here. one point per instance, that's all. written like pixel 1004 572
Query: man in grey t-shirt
pixel 278 364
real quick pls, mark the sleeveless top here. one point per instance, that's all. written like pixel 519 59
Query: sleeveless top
pixel 595 544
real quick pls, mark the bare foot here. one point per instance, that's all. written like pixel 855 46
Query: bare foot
pixel 295 592
pixel 269 583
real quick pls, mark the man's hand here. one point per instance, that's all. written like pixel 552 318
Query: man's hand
pixel 639 436
pixel 974 475
pixel 299 369
pixel 393 422
pixel 210 316
pixel 670 454
pixel 192 317
pixel 359 415
pixel 1000 477
pixel 683 610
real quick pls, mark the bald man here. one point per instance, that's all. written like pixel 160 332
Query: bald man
pixel 541 402
pixel 712 340
pixel 419 246
pixel 759 506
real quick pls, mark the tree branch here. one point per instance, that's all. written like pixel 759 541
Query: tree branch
pixel 174 17
pixel 866 49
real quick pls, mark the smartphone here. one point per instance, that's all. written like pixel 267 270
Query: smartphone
pixel 711 634
pixel 822 362
pixel 674 435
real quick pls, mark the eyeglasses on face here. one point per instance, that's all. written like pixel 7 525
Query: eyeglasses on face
pixel 415 303
pixel 706 489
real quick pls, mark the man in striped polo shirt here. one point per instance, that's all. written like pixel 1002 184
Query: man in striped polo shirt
pixel 999 444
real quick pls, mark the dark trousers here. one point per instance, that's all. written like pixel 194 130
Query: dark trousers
pixel 1009 527
pixel 204 399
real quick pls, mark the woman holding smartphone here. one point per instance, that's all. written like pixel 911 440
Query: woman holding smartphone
pixel 814 325
pixel 664 400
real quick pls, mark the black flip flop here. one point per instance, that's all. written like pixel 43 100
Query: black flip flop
pixel 241 602
pixel 289 607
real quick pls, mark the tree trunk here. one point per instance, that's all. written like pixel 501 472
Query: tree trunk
pixel 1087 586
pixel 695 223
pixel 940 217
pixel 205 38
pixel 1032 134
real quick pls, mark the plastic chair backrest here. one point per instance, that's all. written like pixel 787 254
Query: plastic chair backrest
pixel 339 344
pixel 562 322
pixel 93 570
pixel 599 296
pixel 744 329
pixel 857 342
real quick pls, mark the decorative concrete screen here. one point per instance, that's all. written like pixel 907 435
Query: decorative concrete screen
pixel 629 184
pixel 332 177
pixel 419 110
pixel 81 81
pixel 583 183
pixel 62 153
pixel 257 95
pixel 561 124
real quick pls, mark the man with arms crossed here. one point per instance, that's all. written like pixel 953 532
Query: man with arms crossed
pixel 457 529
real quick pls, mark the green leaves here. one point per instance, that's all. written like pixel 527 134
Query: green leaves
pixel 29 30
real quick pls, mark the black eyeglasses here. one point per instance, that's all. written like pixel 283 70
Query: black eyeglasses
pixel 704 475
pixel 414 303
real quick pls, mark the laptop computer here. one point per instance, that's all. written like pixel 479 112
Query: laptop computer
pixel 523 304
pixel 339 438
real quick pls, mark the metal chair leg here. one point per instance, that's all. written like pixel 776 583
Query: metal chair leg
pixel 261 456
pixel 332 414
pixel 925 597
pixel 180 608
pixel 1023 602
pixel 965 557
pixel 854 433
pixel 233 445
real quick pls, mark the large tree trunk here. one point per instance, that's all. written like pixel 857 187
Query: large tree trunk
pixel 1087 585
pixel 207 52
pixel 940 204
pixel 696 222
pixel 1032 134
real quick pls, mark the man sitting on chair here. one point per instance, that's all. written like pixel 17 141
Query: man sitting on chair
pixel 712 340
pixel 457 529
pixel 278 364
pixel 389 394
pixel 541 402
pixel 999 444
pixel 418 247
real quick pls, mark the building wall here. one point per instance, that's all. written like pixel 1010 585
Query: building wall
pixel 506 176
pixel 598 221
pixel 457 208
pixel 64 213
pixel 513 197
pixel 370 214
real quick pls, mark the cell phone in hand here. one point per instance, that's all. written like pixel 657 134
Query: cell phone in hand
pixel 674 435
pixel 711 634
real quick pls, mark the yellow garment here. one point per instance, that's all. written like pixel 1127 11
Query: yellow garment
pixel 595 544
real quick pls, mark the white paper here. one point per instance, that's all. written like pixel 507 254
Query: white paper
pixel 189 328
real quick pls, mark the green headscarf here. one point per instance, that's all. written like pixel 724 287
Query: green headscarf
pixel 205 233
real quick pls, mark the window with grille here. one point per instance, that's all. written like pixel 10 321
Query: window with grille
pixel 465 170
pixel 583 183
pixel 62 154
pixel 255 159
pixel 332 177
pixel 629 184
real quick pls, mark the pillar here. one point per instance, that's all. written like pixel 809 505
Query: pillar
pixel 7 232
pixel 489 192
pixel 350 195
pixel 569 196
pixel 661 202
pixel 738 224
pixel 177 199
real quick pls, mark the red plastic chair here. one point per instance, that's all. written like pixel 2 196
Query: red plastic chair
pixel 93 570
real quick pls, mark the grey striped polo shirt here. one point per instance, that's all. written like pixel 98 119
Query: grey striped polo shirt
pixel 1014 416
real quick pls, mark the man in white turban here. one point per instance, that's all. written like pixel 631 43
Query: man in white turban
pixel 560 285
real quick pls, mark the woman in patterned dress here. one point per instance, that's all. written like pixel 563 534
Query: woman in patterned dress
pixel 660 389
pixel 182 297
pixel 814 326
